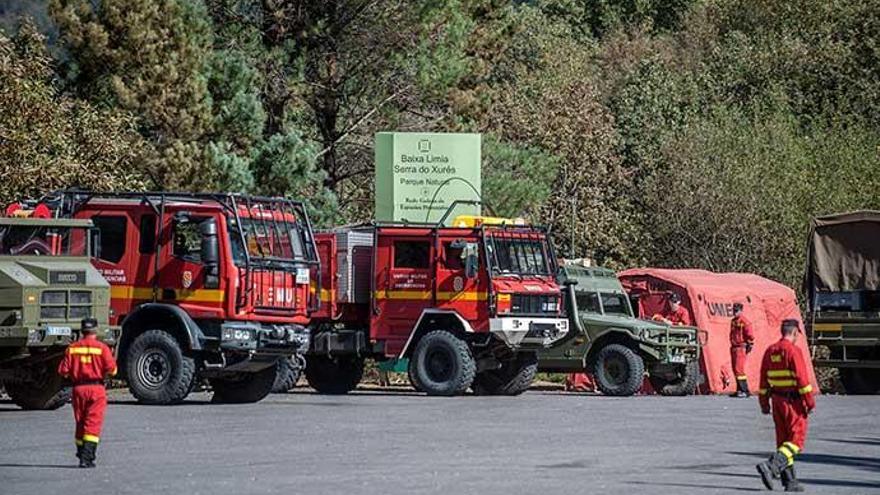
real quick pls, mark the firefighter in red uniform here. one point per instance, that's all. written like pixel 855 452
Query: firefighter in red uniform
pixel 674 314
pixel 87 362
pixel 742 339
pixel 785 383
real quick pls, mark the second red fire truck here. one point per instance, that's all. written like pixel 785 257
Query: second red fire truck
pixel 468 305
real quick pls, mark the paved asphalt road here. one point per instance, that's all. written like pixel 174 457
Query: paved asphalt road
pixel 544 443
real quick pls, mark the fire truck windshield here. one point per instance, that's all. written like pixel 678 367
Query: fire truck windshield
pixel 518 256
pixel 271 243
pixel 29 240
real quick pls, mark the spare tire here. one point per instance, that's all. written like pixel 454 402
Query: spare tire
pixel 513 378
pixel 243 388
pixel 442 364
pixel 618 370
pixel 684 384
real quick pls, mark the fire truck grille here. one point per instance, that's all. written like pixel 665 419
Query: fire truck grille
pixel 534 304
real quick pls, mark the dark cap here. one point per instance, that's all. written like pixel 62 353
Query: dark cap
pixel 674 298
pixel 790 326
pixel 737 307
pixel 89 325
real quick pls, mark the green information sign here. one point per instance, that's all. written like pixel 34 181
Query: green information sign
pixel 418 175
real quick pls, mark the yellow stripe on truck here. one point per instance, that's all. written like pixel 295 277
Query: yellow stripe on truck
pixel 425 295
pixel 827 327
pixel 185 295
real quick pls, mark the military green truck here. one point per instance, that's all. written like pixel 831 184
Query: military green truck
pixel 47 286
pixel 606 340
pixel 842 287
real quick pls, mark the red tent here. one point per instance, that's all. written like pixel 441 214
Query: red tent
pixel 709 297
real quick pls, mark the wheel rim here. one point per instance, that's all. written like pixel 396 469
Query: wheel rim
pixel 439 365
pixel 616 370
pixel 153 368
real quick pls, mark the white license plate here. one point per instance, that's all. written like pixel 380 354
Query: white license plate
pixel 58 331
pixel 677 359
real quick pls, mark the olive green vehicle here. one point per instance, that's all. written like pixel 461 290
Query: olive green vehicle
pixel 47 286
pixel 618 349
pixel 842 287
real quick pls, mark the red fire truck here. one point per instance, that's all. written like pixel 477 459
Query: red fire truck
pixel 468 305
pixel 204 286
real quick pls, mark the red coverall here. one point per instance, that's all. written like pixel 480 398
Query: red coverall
pixel 680 318
pixel 87 362
pixel 785 382
pixel 741 333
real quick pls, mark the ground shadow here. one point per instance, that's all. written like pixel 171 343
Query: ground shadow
pixel 40 466
pixel 867 463
pixel 807 481
pixel 856 441
pixel 696 485
pixel 133 402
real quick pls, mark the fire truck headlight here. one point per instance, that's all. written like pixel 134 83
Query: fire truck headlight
pixel 240 334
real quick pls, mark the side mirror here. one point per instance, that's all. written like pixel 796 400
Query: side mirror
pixel 210 246
pixel 95 243
pixel 471 255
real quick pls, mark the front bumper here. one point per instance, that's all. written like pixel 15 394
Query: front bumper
pixel 528 331
pixel 52 334
pixel 279 340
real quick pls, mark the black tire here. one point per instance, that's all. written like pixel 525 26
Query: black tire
pixel 513 378
pixel 244 388
pixel 860 381
pixel 442 364
pixel 157 370
pixel 47 392
pixel 287 373
pixel 684 384
pixel 413 378
pixel 618 370
pixel 336 375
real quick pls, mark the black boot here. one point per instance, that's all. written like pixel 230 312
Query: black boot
pixel 87 458
pixel 79 450
pixel 790 481
pixel 772 468
pixel 742 388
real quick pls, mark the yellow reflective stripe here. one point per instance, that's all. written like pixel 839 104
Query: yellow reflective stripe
pixel 794 448
pixel 780 373
pixel 789 455
pixel 805 390
pixel 85 350
pixel 782 383
pixel 763 391
pixel 776 358
pixel 742 377
pixel 425 295
pixel 187 295
pixel 78 442
pixel 91 438
pixel 827 327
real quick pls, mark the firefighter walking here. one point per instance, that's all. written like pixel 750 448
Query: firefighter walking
pixel 742 340
pixel 86 363
pixel 786 391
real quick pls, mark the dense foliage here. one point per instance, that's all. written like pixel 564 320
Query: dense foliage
pixel 674 133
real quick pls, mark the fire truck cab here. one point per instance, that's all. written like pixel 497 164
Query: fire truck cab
pixel 469 305
pixel 211 287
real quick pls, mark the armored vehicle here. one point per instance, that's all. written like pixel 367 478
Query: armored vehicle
pixel 842 286
pixel 47 286
pixel 618 349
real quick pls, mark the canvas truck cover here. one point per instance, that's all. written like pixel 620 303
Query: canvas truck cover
pixel 709 297
pixel 844 253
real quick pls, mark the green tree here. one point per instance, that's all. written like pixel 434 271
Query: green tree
pixel 49 140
